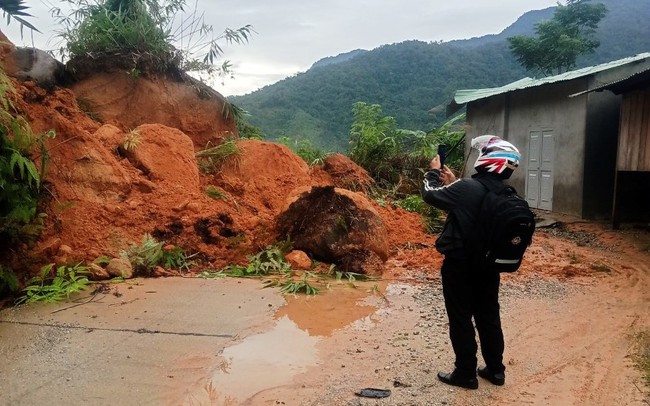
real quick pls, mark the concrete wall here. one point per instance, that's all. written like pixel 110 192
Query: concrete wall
pixel 485 116
pixel 514 115
pixel 549 108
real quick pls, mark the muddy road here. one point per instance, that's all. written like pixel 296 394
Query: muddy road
pixel 569 329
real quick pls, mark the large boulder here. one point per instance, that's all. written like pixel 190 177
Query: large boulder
pixel 336 226
pixel 26 63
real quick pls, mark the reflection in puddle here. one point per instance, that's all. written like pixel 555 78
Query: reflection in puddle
pixel 322 314
pixel 263 361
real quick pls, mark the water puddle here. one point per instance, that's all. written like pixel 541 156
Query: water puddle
pixel 322 314
pixel 274 358
pixel 263 361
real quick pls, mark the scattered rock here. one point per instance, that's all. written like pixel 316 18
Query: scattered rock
pixel 298 259
pixel 48 248
pixel 65 249
pixel 120 268
pixel 160 272
pixel 97 273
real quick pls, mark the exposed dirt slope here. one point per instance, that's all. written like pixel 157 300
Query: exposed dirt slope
pixel 105 196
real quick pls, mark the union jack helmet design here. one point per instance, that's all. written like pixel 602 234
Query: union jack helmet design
pixel 495 155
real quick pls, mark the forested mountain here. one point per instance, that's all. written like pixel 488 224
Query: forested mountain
pixel 413 80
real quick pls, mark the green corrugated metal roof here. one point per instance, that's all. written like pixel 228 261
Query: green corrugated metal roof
pixel 469 95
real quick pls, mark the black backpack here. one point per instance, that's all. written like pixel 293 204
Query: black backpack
pixel 504 230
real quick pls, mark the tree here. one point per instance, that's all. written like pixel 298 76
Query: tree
pixel 559 41
pixel 156 29
pixel 16 9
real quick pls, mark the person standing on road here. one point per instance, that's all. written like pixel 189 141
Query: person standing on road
pixel 468 290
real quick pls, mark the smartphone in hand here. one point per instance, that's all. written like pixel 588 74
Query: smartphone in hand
pixel 442 153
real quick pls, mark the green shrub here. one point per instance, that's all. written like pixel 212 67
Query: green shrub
pixel 375 140
pixel 395 158
pixel 8 282
pixel 158 31
pixel 214 192
pixel 302 285
pixel 414 204
pixel 306 150
pixel 20 180
pixel 269 261
pixel 53 288
pixel 175 258
pixel 150 254
pixel 144 257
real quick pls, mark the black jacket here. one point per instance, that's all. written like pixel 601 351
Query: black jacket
pixel 462 200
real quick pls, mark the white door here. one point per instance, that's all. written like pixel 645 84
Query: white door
pixel 539 179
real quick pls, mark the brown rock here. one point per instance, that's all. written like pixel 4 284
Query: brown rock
pixel 194 207
pixel 97 273
pixel 120 268
pixel 65 250
pixel 160 272
pixel 144 186
pixel 298 259
pixel 179 167
pixel 118 98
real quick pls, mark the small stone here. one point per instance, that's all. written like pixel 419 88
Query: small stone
pixel 120 268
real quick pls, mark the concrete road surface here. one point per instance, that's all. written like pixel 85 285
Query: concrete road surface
pixel 141 342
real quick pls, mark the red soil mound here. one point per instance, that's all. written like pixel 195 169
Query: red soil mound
pixel 105 195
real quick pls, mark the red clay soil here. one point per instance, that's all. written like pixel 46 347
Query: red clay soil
pixel 103 197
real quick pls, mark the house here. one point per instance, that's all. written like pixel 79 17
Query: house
pixel 567 134
pixel 632 173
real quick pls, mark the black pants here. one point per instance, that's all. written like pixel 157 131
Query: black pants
pixel 471 293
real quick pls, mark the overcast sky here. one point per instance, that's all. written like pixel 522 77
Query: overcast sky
pixel 290 35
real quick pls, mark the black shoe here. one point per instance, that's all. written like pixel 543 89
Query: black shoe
pixel 452 379
pixel 497 379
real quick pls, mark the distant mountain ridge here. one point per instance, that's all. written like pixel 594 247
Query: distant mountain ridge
pixel 525 25
pixel 411 79
pixel 338 58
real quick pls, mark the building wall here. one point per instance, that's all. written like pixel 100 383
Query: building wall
pixel 634 143
pixel 548 108
pixel 514 115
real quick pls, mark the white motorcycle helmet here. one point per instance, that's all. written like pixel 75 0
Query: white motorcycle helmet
pixel 495 155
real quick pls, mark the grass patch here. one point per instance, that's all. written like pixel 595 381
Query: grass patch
pixel 214 192
pixel 211 159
